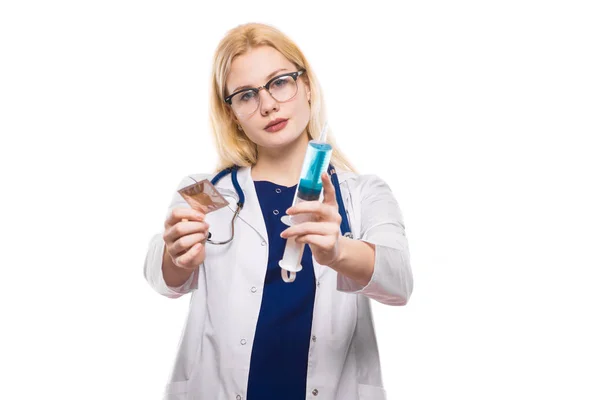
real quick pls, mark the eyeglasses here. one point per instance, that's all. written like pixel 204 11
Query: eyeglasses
pixel 282 88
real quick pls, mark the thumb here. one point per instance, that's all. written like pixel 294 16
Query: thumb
pixel 328 190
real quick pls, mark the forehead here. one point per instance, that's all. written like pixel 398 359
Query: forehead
pixel 252 68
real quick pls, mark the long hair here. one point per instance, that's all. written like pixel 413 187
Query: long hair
pixel 233 146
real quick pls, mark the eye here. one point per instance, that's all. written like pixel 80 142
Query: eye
pixel 247 96
pixel 281 81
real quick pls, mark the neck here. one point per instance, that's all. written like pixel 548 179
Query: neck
pixel 282 165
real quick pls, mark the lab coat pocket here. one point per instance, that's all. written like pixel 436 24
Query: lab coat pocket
pixel 370 392
pixel 176 391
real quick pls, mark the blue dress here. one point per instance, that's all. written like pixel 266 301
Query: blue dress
pixel 280 350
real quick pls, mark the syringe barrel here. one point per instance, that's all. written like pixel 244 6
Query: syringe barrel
pixel 316 161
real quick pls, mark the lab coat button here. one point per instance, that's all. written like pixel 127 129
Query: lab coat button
pixel 318 283
pixel 238 397
pixel 253 289
pixel 243 341
pixel 263 243
pixel 314 338
pixel 278 190
pixel 276 212
pixel 315 392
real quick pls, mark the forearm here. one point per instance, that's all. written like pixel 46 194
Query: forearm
pixel 173 275
pixel 356 260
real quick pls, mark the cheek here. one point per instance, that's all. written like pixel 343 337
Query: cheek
pixel 254 124
pixel 302 110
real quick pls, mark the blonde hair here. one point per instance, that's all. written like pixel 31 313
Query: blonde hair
pixel 233 146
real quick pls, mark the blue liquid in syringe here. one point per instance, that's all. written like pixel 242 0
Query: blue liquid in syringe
pixel 317 158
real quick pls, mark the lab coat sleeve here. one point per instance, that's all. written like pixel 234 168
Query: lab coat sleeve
pixel 382 224
pixel 153 263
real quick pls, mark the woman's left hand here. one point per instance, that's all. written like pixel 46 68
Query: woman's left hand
pixel 322 233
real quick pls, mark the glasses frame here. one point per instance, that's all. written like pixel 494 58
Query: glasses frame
pixel 294 75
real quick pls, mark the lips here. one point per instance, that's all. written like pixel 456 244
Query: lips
pixel 275 122
pixel 277 127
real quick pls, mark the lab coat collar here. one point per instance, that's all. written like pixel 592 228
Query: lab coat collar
pixel 251 213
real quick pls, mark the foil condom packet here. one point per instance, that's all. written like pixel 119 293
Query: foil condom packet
pixel 203 196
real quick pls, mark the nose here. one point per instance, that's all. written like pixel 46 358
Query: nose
pixel 267 103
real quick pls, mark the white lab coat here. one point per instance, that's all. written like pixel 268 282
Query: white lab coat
pixel 213 359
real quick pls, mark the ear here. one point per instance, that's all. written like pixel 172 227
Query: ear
pixel 306 82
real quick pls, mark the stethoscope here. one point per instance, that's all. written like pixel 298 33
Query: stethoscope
pixel 344 226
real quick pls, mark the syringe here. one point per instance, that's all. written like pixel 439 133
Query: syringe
pixel 309 188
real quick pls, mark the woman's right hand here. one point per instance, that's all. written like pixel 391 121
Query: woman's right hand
pixel 185 236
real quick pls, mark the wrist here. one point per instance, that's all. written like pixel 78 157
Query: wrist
pixel 355 260
pixel 341 254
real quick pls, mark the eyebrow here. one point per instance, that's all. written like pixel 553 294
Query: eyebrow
pixel 272 74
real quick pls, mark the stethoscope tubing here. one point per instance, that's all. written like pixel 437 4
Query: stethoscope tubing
pixel 344 226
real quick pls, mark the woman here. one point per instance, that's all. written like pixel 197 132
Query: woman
pixel 250 335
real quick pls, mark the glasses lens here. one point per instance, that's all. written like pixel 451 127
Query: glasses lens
pixel 245 103
pixel 283 88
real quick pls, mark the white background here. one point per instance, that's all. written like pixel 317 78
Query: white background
pixel 482 116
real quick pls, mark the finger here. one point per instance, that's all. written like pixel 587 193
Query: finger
pixel 183 260
pixel 180 213
pixel 325 212
pixel 316 228
pixel 323 242
pixel 181 229
pixel 328 190
pixel 185 243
